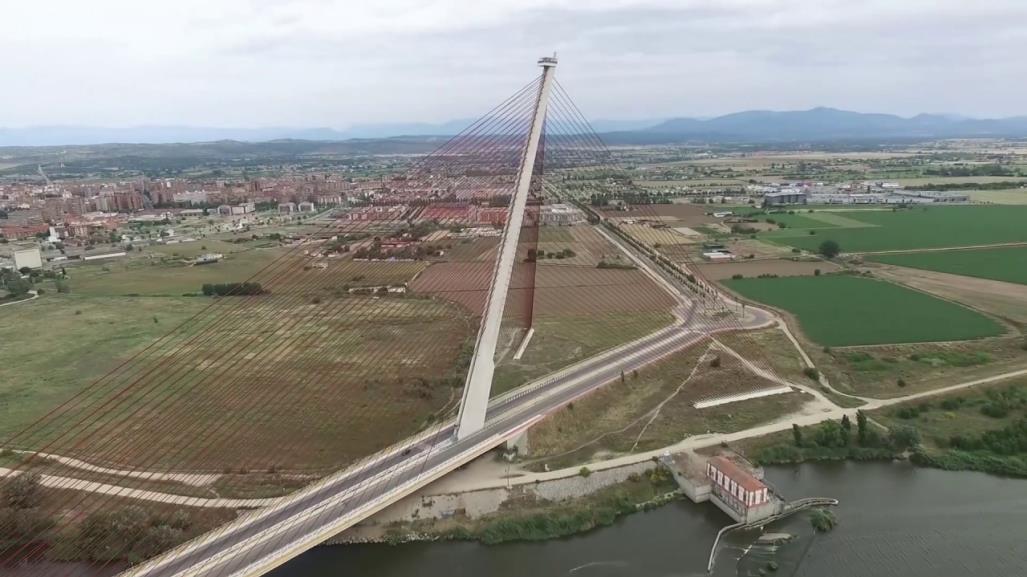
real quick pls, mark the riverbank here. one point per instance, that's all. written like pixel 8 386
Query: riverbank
pixel 981 430
pixel 544 509
pixel 975 525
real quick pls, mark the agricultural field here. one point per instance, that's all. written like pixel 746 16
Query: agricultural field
pixel 755 268
pixel 1002 299
pixel 588 246
pixel 804 220
pixel 282 267
pixel 307 336
pixel 687 214
pixel 577 311
pixel 314 377
pixel 1007 196
pixel 1004 264
pixel 657 236
pixel 844 310
pixel 916 228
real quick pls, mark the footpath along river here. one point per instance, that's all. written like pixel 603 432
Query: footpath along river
pixel 895 520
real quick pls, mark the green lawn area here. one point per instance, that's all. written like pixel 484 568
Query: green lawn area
pixel 58 344
pixel 922 227
pixel 1005 264
pixel 171 277
pixel 804 221
pixel 841 310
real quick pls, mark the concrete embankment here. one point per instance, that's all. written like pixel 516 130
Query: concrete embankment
pixel 440 502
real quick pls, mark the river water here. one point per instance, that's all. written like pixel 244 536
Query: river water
pixel 894 520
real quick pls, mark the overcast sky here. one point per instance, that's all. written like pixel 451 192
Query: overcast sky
pixel 305 63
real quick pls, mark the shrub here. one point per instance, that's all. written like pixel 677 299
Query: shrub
pixel 995 410
pixel 21 492
pixel 952 403
pixel 822 520
pixel 585 472
pixel 901 382
pixel 812 373
pixel 829 249
pixel 902 437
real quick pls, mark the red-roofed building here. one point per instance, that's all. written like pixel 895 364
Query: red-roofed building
pixel 736 487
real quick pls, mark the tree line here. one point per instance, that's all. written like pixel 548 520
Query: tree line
pixel 233 289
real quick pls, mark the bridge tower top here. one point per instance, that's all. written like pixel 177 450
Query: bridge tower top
pixel 478 385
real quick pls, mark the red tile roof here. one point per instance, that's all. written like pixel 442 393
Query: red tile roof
pixel 737 474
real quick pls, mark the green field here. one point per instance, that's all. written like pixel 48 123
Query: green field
pixel 57 344
pixel 926 227
pixel 805 221
pixel 169 277
pixel 842 310
pixel 1005 264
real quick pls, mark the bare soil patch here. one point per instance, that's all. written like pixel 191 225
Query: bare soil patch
pixel 751 268
pixel 1006 300
pixel 687 213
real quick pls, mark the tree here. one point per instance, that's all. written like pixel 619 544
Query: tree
pixel 903 437
pixel 829 249
pixel 21 492
pixel 861 427
pixel 797 435
pixel 831 434
pixel 846 423
pixel 12 281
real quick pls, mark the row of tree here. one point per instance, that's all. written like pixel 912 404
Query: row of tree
pixel 233 289
pixel 838 435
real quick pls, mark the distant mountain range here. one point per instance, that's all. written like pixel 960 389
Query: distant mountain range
pixel 817 124
pixel 822 124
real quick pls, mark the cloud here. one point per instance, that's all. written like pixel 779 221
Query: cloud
pixel 334 63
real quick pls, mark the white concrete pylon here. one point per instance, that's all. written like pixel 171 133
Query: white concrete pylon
pixel 478 385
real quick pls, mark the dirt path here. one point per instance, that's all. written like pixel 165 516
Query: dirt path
pixel 59 482
pixel 193 479
pixel 943 249
pixel 499 477
pixel 31 298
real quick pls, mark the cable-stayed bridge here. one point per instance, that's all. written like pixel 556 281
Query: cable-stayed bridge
pixel 142 416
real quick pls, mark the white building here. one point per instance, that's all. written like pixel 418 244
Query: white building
pixel 561 215
pixel 27 256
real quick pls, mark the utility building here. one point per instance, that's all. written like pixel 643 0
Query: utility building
pixel 737 491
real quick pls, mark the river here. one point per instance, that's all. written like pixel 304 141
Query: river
pixel 894 520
